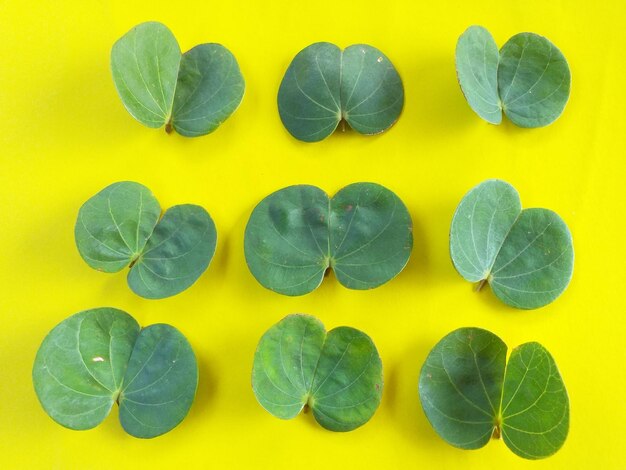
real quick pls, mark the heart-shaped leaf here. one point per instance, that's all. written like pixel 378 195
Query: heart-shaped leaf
pixel 97 357
pixel 526 255
pixel 192 93
pixel 338 374
pixel 529 79
pixel 470 394
pixel 363 233
pixel 120 227
pixel 324 85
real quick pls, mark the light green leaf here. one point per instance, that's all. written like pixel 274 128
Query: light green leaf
pixel 294 235
pixel 85 363
pixel 177 253
pixel 469 394
pixel 114 225
pixel 477 72
pixel 160 382
pixel 192 93
pixel 144 63
pixel 324 85
pixel 533 80
pixel 338 375
pixel 120 227
pixel 529 79
pixel 210 88
pixel 527 255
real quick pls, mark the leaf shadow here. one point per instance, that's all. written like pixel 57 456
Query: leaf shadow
pixel 205 394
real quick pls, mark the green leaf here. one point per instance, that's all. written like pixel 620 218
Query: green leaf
pixel 192 93
pixel 477 72
pixel 470 394
pixel 160 382
pixel 324 85
pixel 85 363
pixel 294 235
pixel 529 79
pixel 535 406
pixel 527 256
pixel 338 375
pixel 114 225
pixel 533 80
pixel 210 88
pixel 178 252
pixel 120 227
pixel 144 63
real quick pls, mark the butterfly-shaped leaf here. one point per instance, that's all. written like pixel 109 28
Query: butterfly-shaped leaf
pixel 363 233
pixel 529 79
pixel 120 227
pixel 526 255
pixel 338 374
pixel 192 93
pixel 470 394
pixel 101 356
pixel 324 85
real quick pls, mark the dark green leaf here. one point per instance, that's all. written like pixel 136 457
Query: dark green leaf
pixel 461 384
pixel 477 72
pixel 470 394
pixel 533 80
pixel 97 357
pixel 177 253
pixel 535 406
pixel 338 375
pixel 145 65
pixel 324 85
pixel 210 88
pixel 294 235
pixel 160 382
pixel 526 255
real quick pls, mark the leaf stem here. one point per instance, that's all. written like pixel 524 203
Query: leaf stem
pixel 168 126
pixel 480 285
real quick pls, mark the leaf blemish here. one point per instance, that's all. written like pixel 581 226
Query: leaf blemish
pixel 98 359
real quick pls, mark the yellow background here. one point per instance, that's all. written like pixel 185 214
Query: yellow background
pixel 65 135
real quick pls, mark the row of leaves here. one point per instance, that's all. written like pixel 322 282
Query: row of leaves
pixel 295 235
pixel 193 93
pixel 468 391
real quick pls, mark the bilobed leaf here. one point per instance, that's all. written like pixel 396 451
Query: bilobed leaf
pixel 160 382
pixel 533 80
pixel 192 93
pixel 526 255
pixel 364 233
pixel 120 227
pixel 324 85
pixel 210 88
pixel 97 357
pixel 177 253
pixel 529 79
pixel 144 63
pixel 477 72
pixel 114 225
pixel 470 394
pixel 337 374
